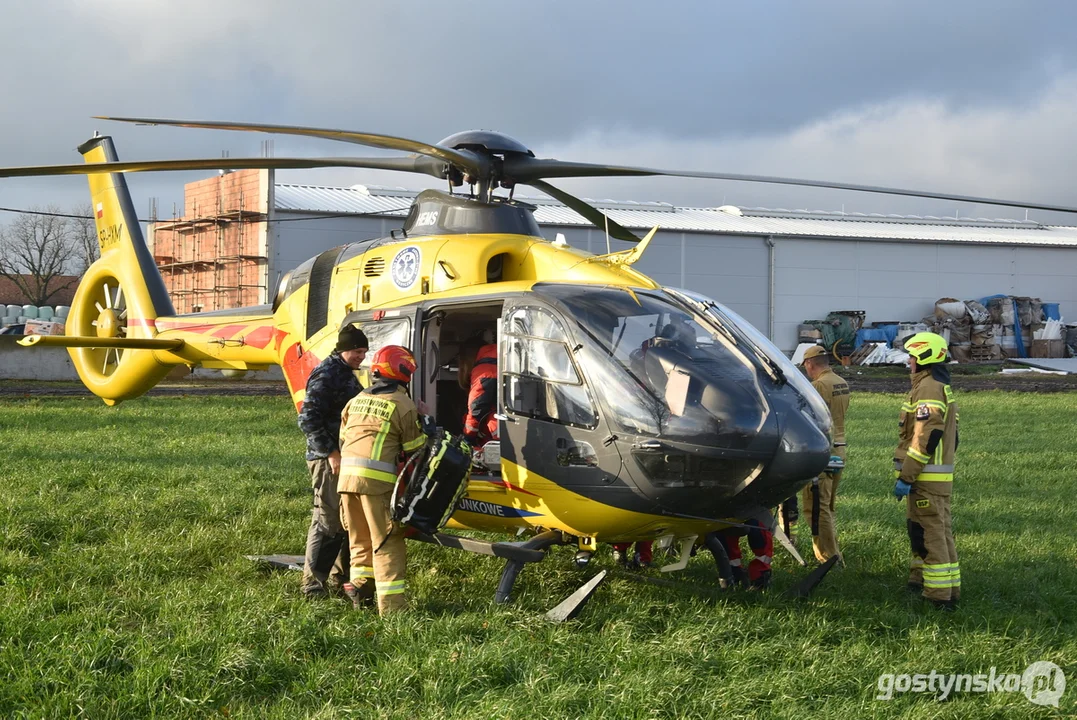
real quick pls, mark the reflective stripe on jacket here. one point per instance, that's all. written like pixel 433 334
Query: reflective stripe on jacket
pixel 928 434
pixel 378 426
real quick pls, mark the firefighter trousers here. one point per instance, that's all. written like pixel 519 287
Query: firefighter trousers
pixel 327 541
pixel 819 513
pixel 934 556
pixel 378 554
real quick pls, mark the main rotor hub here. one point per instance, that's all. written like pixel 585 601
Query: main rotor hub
pixel 486 141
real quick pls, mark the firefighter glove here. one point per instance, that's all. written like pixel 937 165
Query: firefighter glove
pixel 902 489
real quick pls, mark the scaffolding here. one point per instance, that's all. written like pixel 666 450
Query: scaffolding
pixel 211 261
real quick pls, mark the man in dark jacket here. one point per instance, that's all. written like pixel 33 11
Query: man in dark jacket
pixel 329 388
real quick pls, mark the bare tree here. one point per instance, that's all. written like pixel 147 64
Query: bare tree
pixel 37 251
pixel 84 230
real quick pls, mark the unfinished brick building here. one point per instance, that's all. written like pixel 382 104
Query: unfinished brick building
pixel 215 256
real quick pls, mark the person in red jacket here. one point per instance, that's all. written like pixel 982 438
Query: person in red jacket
pixel 478 375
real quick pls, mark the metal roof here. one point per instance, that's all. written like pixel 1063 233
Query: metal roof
pixel 393 202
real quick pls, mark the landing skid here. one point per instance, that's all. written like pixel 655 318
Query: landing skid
pixel 515 554
pixel 518 554
pixel 540 543
pixel 279 562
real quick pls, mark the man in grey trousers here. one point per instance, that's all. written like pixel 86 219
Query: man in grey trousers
pixel 329 388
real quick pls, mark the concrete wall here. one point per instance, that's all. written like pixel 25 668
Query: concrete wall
pixel 19 363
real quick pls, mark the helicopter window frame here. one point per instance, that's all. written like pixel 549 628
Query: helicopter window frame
pixel 298 278
pixel 520 349
pixel 380 333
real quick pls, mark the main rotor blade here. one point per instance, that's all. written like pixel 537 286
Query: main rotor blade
pixel 463 160
pixel 590 212
pixel 525 170
pixel 423 165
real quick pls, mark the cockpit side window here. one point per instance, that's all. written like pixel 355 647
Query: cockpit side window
pixel 540 379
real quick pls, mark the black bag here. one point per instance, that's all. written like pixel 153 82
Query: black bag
pixel 432 483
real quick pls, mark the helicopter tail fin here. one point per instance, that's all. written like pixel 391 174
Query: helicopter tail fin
pixel 121 295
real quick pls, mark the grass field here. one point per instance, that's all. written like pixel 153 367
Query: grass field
pixel 124 592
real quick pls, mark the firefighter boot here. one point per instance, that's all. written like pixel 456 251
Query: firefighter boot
pixel 362 597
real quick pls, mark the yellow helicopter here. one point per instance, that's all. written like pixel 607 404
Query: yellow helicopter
pixel 627 411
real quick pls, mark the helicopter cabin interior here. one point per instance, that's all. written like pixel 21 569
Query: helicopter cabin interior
pixel 451 336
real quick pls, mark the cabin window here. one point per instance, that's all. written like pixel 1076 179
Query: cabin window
pixel 540 379
pixel 394 331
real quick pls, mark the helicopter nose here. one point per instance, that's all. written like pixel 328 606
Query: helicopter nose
pixel 803 453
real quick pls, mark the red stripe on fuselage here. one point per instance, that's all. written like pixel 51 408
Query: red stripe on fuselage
pixel 259 337
pixel 227 331
pixel 279 336
pixel 297 366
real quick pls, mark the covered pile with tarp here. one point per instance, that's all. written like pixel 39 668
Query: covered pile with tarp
pixel 990 329
pixel 1025 326
pixel 967 327
pixel 837 333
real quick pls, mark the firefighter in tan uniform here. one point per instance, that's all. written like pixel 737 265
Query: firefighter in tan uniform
pixel 819 497
pixel 379 426
pixel 924 466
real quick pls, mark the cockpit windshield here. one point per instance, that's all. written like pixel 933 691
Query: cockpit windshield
pixel 662 368
pixel 759 343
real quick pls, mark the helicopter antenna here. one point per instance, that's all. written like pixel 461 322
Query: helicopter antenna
pixel 607 232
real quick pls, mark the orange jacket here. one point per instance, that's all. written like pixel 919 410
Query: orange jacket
pixel 480 425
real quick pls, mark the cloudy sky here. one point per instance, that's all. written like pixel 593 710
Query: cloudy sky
pixel 973 97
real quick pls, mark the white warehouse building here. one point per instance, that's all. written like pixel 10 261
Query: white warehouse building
pixel 775 268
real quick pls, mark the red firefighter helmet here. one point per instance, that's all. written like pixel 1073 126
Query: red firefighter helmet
pixel 393 362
